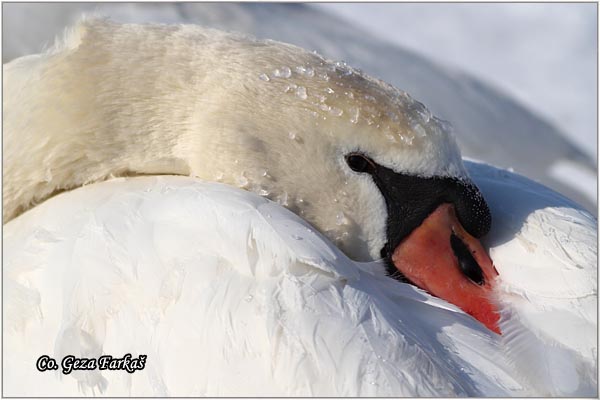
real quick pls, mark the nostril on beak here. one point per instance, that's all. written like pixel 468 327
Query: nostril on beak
pixel 468 265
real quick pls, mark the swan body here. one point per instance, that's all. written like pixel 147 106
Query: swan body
pixel 280 288
pixel 230 294
pixel 227 293
pixel 545 249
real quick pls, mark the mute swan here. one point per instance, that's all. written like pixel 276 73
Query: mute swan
pixel 227 293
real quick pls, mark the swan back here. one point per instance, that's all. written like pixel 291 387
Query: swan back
pixel 227 294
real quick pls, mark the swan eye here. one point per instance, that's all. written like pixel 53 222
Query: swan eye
pixel 360 163
pixel 466 262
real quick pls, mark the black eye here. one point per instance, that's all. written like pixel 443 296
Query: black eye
pixel 466 262
pixel 360 163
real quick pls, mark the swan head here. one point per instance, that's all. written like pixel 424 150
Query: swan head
pixel 368 166
pixel 372 169
pixel 296 124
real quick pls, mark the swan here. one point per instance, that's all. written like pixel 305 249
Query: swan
pixel 237 210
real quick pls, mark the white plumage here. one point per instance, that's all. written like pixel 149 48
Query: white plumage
pixel 228 293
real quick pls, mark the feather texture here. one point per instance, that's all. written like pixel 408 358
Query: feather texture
pixel 230 294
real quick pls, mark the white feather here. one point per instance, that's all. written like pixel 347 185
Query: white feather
pixel 127 100
pixel 545 249
pixel 230 294
pixel 226 292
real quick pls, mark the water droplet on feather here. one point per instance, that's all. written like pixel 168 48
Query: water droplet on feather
pixel 301 92
pixel 336 111
pixel 354 114
pixel 284 72
pixel 340 218
pixel 241 181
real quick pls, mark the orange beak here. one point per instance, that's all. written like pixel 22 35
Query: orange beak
pixel 440 257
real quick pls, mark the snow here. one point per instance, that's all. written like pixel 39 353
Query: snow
pixel 578 178
pixel 544 55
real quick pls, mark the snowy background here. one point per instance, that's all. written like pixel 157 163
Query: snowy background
pixel 544 55
pixel 517 81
